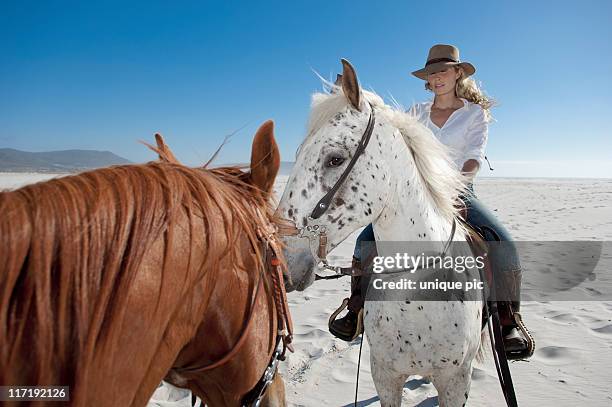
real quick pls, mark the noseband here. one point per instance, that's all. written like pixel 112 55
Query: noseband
pixel 313 231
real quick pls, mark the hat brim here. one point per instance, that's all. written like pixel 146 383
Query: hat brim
pixel 438 66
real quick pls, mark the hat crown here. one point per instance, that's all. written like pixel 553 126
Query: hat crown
pixel 440 51
pixel 440 57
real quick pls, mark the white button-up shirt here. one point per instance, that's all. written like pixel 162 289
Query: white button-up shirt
pixel 465 132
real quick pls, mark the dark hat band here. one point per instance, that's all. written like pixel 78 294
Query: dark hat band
pixel 436 60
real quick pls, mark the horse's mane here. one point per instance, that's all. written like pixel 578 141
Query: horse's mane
pixel 436 171
pixel 71 247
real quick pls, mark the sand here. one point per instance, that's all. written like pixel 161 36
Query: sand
pixel 13 180
pixel 573 360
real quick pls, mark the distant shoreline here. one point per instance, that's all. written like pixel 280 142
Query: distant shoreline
pixel 72 171
pixel 485 177
pixel 478 179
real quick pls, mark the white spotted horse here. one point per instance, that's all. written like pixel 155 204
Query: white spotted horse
pixel 372 163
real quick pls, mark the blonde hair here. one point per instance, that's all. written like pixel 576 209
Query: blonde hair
pixel 467 88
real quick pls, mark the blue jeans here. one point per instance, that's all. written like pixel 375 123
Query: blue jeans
pixel 503 257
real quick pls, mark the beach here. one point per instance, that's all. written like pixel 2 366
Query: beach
pixel 573 360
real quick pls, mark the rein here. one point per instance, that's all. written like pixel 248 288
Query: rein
pixel 350 271
pixel 495 332
pixel 499 355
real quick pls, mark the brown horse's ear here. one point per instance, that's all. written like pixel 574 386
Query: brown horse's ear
pixel 164 152
pixel 350 84
pixel 265 158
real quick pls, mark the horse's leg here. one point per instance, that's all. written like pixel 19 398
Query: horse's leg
pixel 389 385
pixel 453 385
pixel 275 393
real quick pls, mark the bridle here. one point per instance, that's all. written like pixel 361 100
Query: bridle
pixel 273 267
pixel 284 334
pixel 316 233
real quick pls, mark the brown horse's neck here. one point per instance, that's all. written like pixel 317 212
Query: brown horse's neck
pixel 244 321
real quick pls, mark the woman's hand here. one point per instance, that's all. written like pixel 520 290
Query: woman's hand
pixel 470 168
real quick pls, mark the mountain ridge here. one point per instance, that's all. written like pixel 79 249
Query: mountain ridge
pixel 13 160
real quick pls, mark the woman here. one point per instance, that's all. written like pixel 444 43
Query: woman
pixel 458 116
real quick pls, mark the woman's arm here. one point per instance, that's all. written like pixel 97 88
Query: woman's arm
pixel 476 141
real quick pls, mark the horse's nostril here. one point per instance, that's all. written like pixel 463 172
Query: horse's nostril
pixel 288 281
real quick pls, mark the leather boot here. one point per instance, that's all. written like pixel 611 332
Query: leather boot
pixel 519 344
pixel 349 327
pixel 514 340
pixel 345 328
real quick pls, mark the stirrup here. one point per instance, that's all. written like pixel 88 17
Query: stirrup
pixel 528 352
pixel 340 335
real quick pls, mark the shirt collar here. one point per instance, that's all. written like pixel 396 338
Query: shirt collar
pixel 430 104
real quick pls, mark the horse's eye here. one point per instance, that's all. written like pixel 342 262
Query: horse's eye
pixel 335 161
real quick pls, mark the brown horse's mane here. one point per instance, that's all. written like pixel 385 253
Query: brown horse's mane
pixel 70 248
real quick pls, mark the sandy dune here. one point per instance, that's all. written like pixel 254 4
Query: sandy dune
pixel 573 361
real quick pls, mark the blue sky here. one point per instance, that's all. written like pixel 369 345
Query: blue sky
pixel 103 76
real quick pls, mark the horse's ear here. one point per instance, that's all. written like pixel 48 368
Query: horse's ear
pixel 338 80
pixel 164 152
pixel 350 84
pixel 265 158
pixel 337 83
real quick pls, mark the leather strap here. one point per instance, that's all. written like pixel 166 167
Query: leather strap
pixel 436 60
pixel 497 346
pixel 499 354
pixel 325 202
pixel 349 271
pixel 288 230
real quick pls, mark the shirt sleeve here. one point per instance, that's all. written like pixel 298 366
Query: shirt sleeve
pixel 476 138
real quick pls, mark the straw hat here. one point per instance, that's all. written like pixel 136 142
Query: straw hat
pixel 442 56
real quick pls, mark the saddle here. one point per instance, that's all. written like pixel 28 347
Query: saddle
pixel 350 327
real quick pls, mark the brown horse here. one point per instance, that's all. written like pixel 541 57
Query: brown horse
pixel 113 279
